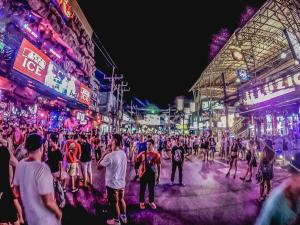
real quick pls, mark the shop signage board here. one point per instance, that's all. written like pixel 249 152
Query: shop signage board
pixel 84 94
pixel 273 89
pixel 32 62
pixel 36 65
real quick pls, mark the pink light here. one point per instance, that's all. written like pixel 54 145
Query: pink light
pixel 55 53
pixel 42 114
pixel 29 30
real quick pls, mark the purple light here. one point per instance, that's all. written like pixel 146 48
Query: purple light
pixel 246 15
pixel 218 41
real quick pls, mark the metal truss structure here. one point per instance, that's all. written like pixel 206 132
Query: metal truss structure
pixel 259 42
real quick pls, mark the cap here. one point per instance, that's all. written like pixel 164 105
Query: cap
pixel 295 162
pixel 33 142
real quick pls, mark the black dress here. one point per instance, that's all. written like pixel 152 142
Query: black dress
pixel 7 199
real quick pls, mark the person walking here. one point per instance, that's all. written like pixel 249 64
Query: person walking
pixel 115 162
pixel 234 157
pixel 86 161
pixel 266 169
pixel 177 161
pixel 149 162
pixel 251 161
pixel 33 182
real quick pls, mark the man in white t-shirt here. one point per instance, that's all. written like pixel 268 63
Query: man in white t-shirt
pixel 33 182
pixel 115 162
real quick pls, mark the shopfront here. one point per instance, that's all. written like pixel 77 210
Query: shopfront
pixel 273 106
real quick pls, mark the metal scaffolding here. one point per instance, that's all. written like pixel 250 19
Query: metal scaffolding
pixel 259 41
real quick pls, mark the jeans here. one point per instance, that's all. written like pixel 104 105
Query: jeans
pixel 174 166
pixel 147 179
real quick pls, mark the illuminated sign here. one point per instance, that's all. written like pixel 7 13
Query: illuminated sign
pixel 28 29
pixel 84 94
pixel 31 61
pixel 243 74
pixel 65 7
pixel 36 65
pixel 272 90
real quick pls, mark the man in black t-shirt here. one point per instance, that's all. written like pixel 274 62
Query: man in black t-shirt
pixel 177 161
pixel 86 160
pixel 55 160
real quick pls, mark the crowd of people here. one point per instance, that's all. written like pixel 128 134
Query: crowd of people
pixel 38 166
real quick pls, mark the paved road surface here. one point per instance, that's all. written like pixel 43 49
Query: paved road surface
pixel 207 199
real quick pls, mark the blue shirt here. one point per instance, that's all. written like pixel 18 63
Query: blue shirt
pixel 142 146
pixel 276 210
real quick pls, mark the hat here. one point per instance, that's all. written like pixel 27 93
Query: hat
pixel 295 162
pixel 33 142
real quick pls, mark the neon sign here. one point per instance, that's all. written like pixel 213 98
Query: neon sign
pixel 65 7
pixel 30 31
pixel 272 90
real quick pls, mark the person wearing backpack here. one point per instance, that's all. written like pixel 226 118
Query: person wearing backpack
pixel 177 161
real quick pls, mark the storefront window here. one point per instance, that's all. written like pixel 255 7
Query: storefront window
pixel 280 125
pixel 269 124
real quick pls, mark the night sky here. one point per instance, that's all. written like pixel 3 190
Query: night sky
pixel 161 47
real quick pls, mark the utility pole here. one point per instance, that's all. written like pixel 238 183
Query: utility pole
pixel 169 120
pixel 131 118
pixel 120 110
pixel 225 100
pixel 110 108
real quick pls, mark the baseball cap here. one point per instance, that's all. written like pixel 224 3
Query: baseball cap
pixel 33 142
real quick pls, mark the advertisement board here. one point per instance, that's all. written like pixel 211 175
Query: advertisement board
pixel 84 94
pixel 36 65
pixel 31 61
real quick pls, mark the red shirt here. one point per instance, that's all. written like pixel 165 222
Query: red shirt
pixel 149 162
pixel 72 156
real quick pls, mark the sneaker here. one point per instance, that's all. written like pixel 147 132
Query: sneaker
pixel 74 190
pixel 152 205
pixel 242 178
pixel 123 218
pixel 113 222
pixel 172 183
pixel 142 205
pixel 182 185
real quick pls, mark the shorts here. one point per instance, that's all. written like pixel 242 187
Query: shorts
pixel 72 169
pixel 196 146
pixel 114 195
pixel 64 175
pixel 86 167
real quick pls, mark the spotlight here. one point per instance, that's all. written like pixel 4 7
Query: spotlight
pixel 283 55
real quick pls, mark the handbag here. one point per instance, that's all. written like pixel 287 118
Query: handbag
pixel 259 176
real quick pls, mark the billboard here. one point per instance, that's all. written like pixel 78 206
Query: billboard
pixel 36 65
pixel 31 61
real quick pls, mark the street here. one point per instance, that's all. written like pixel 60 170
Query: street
pixel 207 197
